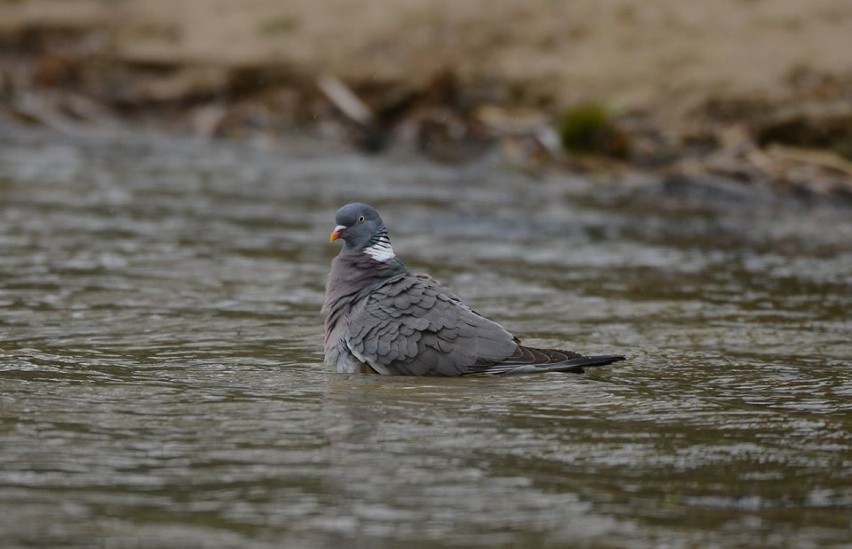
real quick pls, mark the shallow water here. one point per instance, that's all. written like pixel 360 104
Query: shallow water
pixel 161 380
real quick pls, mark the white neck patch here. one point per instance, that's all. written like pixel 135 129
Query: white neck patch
pixel 381 250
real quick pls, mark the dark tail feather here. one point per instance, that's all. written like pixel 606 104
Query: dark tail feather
pixel 528 360
pixel 577 365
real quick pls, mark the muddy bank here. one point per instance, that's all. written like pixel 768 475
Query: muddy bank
pixel 737 91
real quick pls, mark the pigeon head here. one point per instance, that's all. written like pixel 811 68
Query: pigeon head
pixel 362 230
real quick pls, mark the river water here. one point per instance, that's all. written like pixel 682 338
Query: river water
pixel 161 381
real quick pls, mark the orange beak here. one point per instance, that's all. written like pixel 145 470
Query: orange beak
pixel 335 234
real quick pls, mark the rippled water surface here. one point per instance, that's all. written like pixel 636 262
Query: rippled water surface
pixel 160 357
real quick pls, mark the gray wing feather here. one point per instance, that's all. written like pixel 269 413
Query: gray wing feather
pixel 413 326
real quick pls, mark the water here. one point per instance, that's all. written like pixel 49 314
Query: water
pixel 161 381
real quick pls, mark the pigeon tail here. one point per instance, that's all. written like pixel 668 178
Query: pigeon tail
pixel 528 360
pixel 577 365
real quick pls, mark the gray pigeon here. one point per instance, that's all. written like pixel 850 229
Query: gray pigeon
pixel 381 318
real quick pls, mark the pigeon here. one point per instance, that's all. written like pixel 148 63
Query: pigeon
pixel 381 318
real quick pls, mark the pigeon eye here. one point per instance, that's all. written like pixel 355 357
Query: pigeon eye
pixel 361 219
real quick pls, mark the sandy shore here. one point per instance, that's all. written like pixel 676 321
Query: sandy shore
pixel 697 76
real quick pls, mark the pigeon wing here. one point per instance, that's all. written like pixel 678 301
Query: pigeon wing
pixel 411 325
